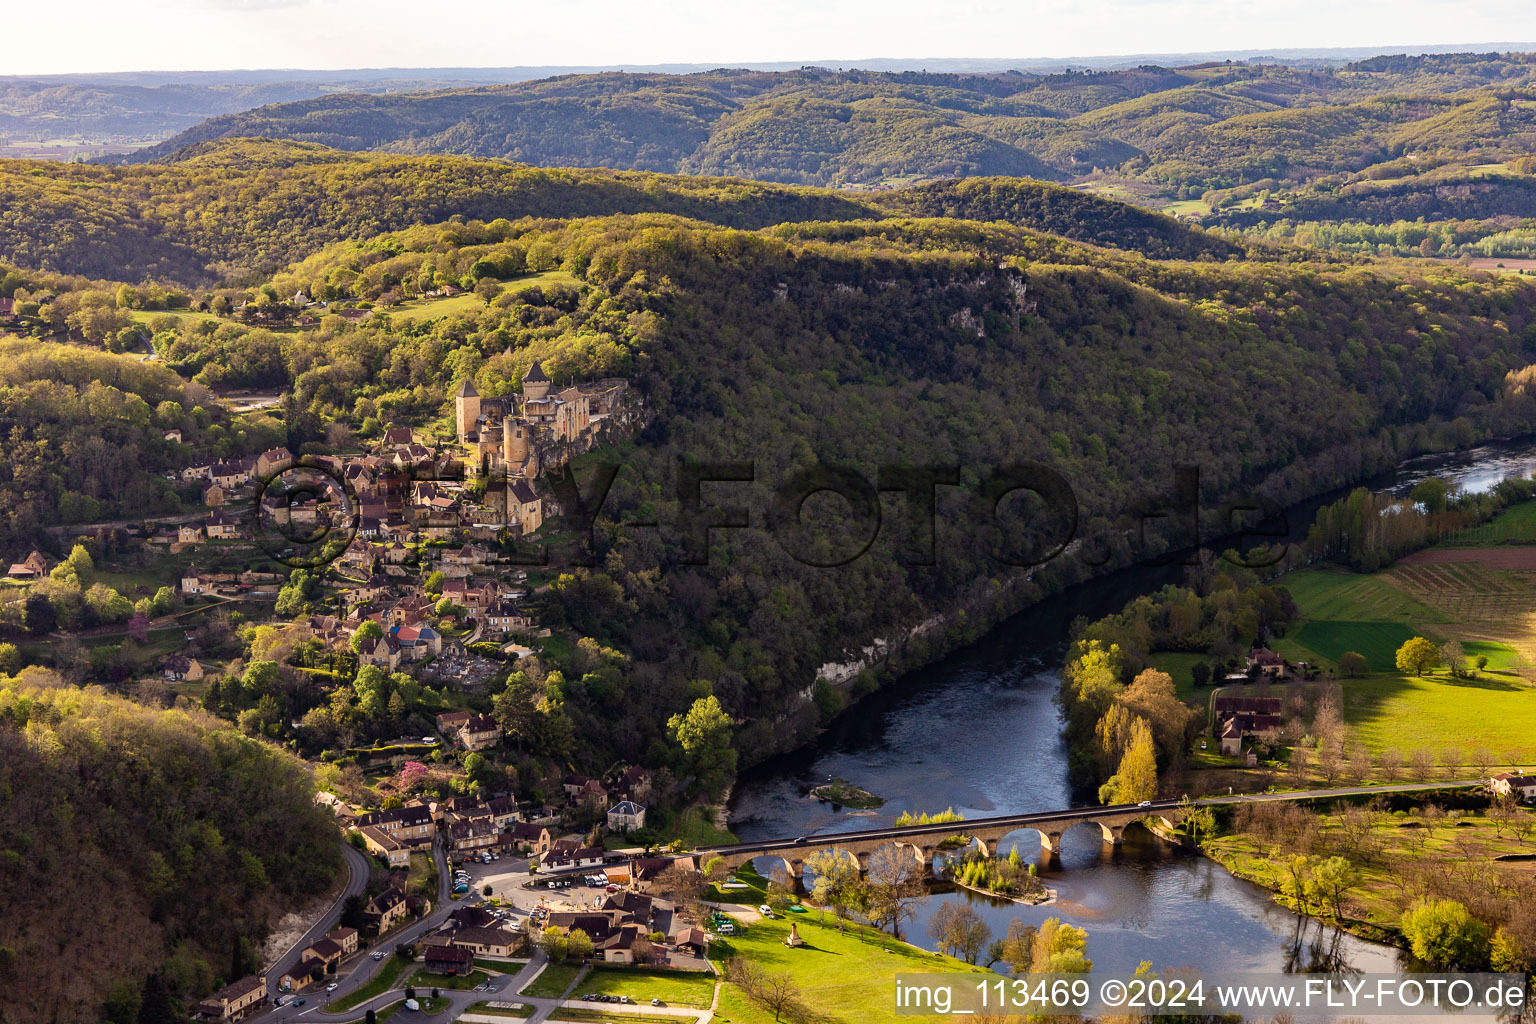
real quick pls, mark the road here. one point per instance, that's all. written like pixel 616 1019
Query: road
pixel 1083 813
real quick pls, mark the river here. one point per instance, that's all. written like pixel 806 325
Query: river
pixel 978 731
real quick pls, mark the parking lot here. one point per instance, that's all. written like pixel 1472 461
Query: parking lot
pixel 508 879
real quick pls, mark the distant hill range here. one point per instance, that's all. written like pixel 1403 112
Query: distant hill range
pixel 1179 130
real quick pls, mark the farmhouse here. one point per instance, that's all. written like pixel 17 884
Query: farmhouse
pixel 1520 786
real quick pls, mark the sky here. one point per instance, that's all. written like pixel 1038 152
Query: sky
pixel 134 35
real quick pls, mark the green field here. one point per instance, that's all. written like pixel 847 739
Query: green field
pixel 672 987
pixel 1346 596
pixel 552 981
pixel 1439 713
pixel 1328 641
pixel 469 302
pixel 845 975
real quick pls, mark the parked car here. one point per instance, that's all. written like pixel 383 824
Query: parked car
pixel 299 1002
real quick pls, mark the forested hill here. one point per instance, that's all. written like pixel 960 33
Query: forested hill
pixel 238 208
pixel 908 341
pixel 140 842
pixel 1186 129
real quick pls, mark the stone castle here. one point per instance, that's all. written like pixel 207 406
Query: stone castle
pixel 528 433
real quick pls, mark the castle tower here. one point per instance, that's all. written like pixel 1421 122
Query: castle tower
pixel 536 382
pixel 514 442
pixel 466 408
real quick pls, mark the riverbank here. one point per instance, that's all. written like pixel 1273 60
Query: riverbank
pixel 1044 898
pixel 1361 868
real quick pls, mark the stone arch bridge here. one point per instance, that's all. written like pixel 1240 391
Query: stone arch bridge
pixel 926 840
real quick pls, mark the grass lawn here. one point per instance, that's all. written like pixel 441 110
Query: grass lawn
pixel 499 966
pixel 552 981
pixel 847 976
pixel 387 978
pixel 423 875
pixel 755 895
pixel 462 981
pixel 675 988
pixel 520 1010
pixel 602 1016
pixel 1178 665
pixel 1438 712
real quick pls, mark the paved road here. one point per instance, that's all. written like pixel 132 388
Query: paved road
pixel 1082 813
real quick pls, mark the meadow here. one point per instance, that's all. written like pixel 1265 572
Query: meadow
pixel 845 975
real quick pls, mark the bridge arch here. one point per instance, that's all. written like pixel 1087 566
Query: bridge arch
pixel 776 866
pixel 943 855
pixel 894 855
pixel 860 862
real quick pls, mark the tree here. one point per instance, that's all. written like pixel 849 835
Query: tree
pixel 366 635
pixel 578 945
pixel 1200 672
pixel 1417 655
pixel 1390 762
pixel 155 1003
pixel 1445 934
pixel 1453 657
pixel 895 887
pixel 959 930
pixel 38 615
pixel 1431 493
pixel 837 883
pixel 704 733
pixel 1352 665
pixel 1333 879
pixel 1060 949
pixel 1136 780
pixel 10 659
pixel 1017 947
pixel 778 993
pixel 487 289
pixel 1423 764
pixel 555 943
pixel 354 911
